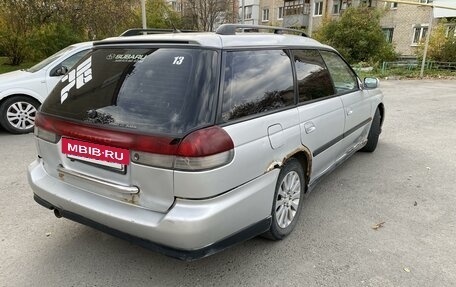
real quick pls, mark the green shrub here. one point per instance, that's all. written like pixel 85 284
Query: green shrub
pixel 358 36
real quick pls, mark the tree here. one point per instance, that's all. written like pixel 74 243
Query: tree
pixel 159 15
pixel 102 18
pixel 442 47
pixel 203 15
pixel 357 35
pixel 34 29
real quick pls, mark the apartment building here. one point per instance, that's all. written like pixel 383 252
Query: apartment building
pixel 405 26
pixel 271 12
pixel 251 14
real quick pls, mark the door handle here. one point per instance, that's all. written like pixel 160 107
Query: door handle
pixel 309 127
pixel 349 111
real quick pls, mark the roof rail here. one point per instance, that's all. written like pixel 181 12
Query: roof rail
pixel 230 29
pixel 147 31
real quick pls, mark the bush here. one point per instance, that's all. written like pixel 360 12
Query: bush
pixel 358 36
pixel 441 48
pixel 52 37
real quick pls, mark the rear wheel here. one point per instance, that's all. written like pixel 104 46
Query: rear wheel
pixel 17 114
pixel 374 133
pixel 288 198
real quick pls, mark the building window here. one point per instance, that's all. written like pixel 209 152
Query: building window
pixel 388 32
pixel 280 13
pixel 426 1
pixel 318 11
pixel 366 3
pixel 248 12
pixel 450 31
pixel 346 4
pixel 336 7
pixel 393 5
pixel 265 15
pixel 419 33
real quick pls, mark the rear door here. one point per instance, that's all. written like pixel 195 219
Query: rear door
pixel 321 112
pixel 357 104
pixel 121 112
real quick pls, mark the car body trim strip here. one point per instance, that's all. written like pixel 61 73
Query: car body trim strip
pixel 338 138
pixel 115 187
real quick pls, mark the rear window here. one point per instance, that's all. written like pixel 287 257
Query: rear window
pixel 158 90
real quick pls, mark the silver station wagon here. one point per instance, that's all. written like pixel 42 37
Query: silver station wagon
pixel 187 143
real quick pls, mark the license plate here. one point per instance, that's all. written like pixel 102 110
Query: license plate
pixel 108 156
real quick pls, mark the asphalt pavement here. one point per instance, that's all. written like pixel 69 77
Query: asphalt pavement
pixel 381 219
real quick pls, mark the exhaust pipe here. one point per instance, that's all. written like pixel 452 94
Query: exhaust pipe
pixel 57 213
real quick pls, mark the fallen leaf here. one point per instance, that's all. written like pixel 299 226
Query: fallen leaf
pixel 378 225
pixel 415 204
pixel 48 234
pixel 406 270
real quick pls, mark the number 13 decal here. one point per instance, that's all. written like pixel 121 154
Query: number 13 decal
pixel 178 60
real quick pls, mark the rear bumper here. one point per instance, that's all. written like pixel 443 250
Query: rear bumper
pixel 191 229
pixel 187 255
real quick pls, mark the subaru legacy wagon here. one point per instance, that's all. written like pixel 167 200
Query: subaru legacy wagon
pixel 187 143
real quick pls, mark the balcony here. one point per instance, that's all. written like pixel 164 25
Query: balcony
pixel 296 14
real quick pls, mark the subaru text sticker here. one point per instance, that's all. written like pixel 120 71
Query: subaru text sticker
pixel 125 58
pixel 79 77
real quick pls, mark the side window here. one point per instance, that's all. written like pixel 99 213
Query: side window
pixel 72 60
pixel 343 77
pixel 313 78
pixel 256 82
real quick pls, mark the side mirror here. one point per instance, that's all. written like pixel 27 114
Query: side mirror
pixel 371 83
pixel 59 71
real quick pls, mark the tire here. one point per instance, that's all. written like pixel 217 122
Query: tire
pixel 374 133
pixel 17 114
pixel 287 203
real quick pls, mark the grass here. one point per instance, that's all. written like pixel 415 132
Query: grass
pixel 5 67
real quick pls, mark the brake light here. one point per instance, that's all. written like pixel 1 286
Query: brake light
pixel 201 150
pixel 205 149
pixel 43 130
pixel 205 142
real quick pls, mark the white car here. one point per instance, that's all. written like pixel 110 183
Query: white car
pixel 22 92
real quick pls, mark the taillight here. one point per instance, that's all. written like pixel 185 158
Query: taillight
pixel 200 150
pixel 43 129
pixel 205 149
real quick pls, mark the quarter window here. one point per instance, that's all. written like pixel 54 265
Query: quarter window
pixel 256 82
pixel 343 77
pixel 313 78
pixel 71 61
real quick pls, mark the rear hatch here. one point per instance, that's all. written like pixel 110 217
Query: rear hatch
pixel 114 124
